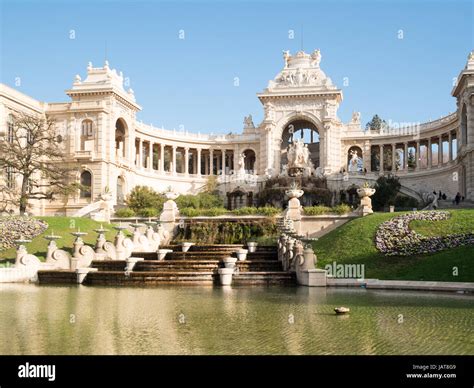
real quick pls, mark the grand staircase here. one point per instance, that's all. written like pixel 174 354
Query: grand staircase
pixel 198 266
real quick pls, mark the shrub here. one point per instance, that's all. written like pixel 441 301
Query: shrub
pixel 268 211
pixel 245 211
pixel 215 211
pixel 189 212
pixel 342 209
pixel 148 212
pixel 142 197
pixel 218 232
pixel 316 210
pixel 403 201
pixel 124 212
pixel 199 201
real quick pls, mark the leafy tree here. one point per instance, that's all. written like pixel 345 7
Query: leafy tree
pixel 33 152
pixel 211 185
pixel 376 124
pixel 411 159
pixel 144 197
pixel 386 190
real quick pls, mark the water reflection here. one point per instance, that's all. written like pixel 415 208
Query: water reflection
pixel 192 320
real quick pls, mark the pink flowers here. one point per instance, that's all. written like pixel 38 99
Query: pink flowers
pixel 395 238
pixel 15 227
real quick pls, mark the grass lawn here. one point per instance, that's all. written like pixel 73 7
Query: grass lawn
pixel 353 243
pixel 63 226
pixel 461 221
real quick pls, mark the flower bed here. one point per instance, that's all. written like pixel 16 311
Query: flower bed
pixel 395 238
pixel 15 227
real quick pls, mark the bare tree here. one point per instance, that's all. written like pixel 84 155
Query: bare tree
pixel 32 151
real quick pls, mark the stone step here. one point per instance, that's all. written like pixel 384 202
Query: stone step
pixel 177 265
pixel 199 255
pixel 216 247
pixel 259 265
pixel 149 278
pixel 57 277
pixel 448 204
pixel 109 265
pixel 264 278
pixel 262 256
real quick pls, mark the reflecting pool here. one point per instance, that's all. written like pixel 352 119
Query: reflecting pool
pixel 255 320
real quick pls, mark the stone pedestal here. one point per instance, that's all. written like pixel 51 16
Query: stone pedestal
pixel 365 206
pixel 312 277
pixel 293 212
pixel 168 217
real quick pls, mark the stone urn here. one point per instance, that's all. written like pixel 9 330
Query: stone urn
pixel 229 262
pixel 241 254
pixel 294 193
pixel 106 196
pixel 161 253
pixel 365 202
pixel 365 192
pixel 252 246
pixel 186 245
pixel 225 275
pixel 171 195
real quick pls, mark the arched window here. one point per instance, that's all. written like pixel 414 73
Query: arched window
pixel 86 185
pixel 355 162
pixel 120 137
pixel 87 133
pixel 249 161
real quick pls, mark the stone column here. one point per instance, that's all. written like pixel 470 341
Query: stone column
pixel 140 153
pixel 269 148
pixel 450 146
pixel 430 155
pixel 405 156
pixel 173 167
pixel 211 161
pixel 440 150
pixel 186 160
pixel 150 153
pixel 381 158
pixel 394 148
pixel 223 161
pixel 162 157
pixel 199 161
pixel 417 153
pixel 236 160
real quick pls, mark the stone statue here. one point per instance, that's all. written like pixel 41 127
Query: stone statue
pixel 242 162
pixel 316 58
pixel 298 154
pixel 248 122
pixel 353 163
pixel 286 57
pixel 306 155
pixel 355 118
pixel 268 107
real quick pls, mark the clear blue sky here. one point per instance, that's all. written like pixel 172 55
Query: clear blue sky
pixel 190 82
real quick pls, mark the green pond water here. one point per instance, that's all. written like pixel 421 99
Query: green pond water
pixel 256 320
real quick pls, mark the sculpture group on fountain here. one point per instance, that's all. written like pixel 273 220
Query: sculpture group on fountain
pixel 299 161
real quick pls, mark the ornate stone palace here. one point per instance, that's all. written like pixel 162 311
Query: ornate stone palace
pixel 301 128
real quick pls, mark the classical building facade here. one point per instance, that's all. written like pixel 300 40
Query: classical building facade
pixel 113 151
